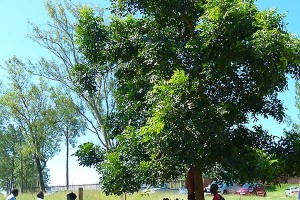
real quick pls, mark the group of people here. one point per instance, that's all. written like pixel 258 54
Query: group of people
pixel 73 196
pixel 40 195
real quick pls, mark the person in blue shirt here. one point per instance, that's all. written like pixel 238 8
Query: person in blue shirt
pixel 13 195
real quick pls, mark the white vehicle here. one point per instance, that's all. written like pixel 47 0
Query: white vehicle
pixel 158 188
pixel 224 188
pixel 291 191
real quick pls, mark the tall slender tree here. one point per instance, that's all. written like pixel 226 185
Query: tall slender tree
pixel 59 38
pixel 70 121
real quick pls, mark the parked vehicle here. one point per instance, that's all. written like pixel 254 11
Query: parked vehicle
pixel 182 190
pixel 158 188
pixel 50 191
pixel 252 189
pixel 224 188
pixel 291 191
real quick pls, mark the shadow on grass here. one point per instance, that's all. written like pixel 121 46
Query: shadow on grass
pixel 272 188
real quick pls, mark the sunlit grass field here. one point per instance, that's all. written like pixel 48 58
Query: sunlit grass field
pixel 274 193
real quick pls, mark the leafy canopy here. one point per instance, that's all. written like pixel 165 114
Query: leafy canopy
pixel 190 76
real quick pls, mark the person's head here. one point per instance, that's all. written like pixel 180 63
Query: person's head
pixel 15 192
pixel 214 188
pixel 40 195
pixel 71 196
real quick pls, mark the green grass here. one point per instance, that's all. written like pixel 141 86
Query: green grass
pixel 274 193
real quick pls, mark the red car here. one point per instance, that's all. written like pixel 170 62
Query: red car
pixel 252 189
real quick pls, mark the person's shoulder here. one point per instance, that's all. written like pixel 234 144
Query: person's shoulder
pixel 11 197
pixel 218 197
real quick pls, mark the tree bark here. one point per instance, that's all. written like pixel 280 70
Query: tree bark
pixel 189 24
pixel 40 173
pixel 67 162
pixel 190 184
pixel 12 179
pixel 22 174
pixel 67 159
pixel 198 181
pixel 194 183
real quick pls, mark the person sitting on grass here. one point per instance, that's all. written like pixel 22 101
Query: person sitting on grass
pixel 71 196
pixel 214 190
pixel 40 195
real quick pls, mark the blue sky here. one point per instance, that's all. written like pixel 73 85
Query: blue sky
pixel 14 15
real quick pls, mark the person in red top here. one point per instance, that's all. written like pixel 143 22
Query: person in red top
pixel 214 190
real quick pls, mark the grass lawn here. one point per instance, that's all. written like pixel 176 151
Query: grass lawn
pixel 274 193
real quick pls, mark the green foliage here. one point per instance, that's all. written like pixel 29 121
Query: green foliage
pixel 91 36
pixel 34 116
pixel 89 154
pixel 288 150
pixel 69 119
pixel 78 69
pixel 190 76
pixel 122 175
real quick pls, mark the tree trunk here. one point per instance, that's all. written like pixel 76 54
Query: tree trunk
pixel 198 181
pixel 40 173
pixel 12 179
pixel 190 185
pixel 67 162
pixel 194 183
pixel 22 174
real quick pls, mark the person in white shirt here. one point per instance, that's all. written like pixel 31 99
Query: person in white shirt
pixel 13 195
pixel 40 195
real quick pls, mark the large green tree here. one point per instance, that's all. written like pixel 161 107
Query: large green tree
pixel 190 76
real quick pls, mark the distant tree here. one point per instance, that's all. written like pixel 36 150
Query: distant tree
pixel 59 38
pixel 288 150
pixel 30 106
pixel 9 156
pixel 190 75
pixel 70 121
pixel 17 168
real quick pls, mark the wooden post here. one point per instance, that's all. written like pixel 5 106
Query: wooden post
pixel 80 193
